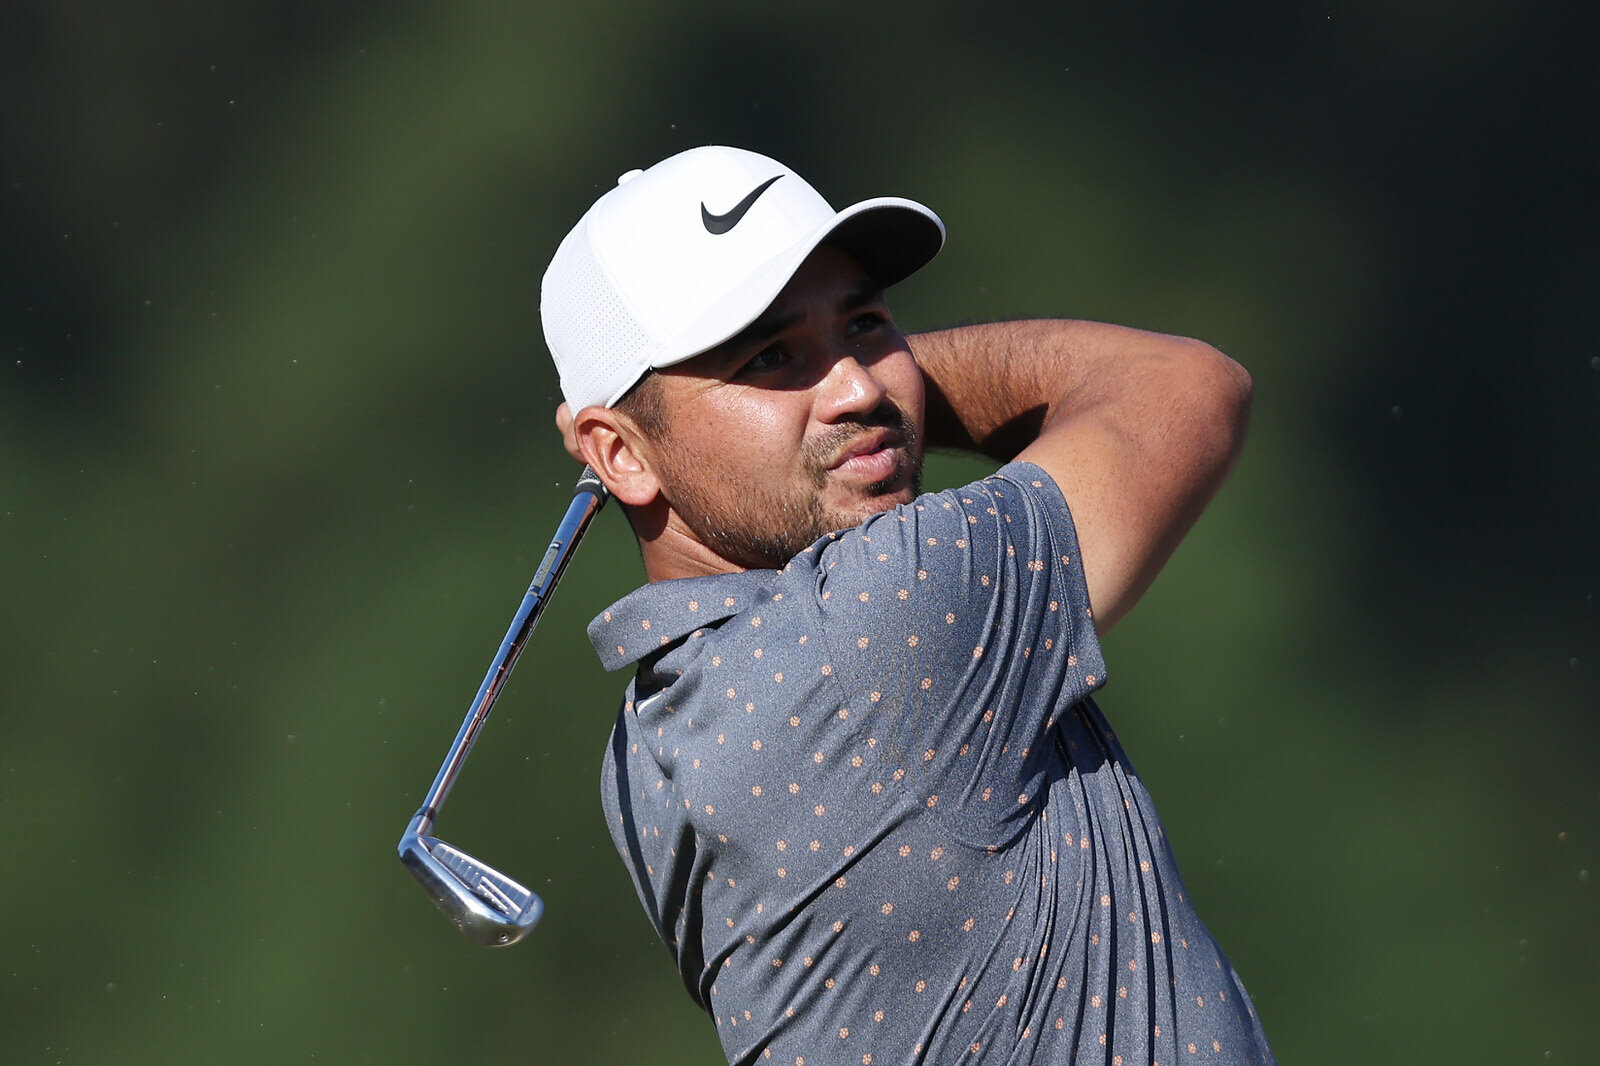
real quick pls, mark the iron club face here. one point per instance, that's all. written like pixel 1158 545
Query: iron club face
pixel 487 906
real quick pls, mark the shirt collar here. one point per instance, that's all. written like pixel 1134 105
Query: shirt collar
pixel 660 613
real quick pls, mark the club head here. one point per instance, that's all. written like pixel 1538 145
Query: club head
pixel 487 906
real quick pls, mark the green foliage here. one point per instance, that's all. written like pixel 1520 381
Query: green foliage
pixel 277 463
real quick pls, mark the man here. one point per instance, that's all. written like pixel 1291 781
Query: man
pixel 858 778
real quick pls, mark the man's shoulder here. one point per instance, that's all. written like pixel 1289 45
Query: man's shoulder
pixel 999 507
pixel 1015 487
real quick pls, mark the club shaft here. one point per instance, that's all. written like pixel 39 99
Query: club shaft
pixel 588 496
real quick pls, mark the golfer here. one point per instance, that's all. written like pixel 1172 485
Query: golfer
pixel 859 779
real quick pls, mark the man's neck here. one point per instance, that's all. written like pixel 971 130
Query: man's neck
pixel 670 551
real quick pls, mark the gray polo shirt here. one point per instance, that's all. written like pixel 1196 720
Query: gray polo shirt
pixel 870 807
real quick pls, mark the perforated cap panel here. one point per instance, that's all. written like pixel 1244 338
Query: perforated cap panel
pixel 595 340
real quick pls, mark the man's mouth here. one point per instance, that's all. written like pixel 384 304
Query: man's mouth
pixel 873 458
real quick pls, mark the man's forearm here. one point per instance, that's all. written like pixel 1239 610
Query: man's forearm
pixel 993 387
pixel 984 383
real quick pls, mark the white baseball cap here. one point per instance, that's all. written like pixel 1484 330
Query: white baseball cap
pixel 680 257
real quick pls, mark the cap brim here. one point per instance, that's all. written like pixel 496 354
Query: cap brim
pixel 892 238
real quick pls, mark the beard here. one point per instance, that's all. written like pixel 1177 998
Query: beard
pixel 762 526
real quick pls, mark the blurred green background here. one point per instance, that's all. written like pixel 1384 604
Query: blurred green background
pixel 276 464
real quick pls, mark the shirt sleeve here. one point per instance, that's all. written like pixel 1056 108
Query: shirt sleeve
pixel 962 627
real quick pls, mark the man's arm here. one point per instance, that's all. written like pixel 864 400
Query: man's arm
pixel 1138 429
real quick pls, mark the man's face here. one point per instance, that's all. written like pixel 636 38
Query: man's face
pixel 808 421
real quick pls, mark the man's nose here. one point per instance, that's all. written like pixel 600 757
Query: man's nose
pixel 849 388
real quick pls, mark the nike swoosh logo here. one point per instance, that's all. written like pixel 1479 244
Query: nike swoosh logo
pixel 719 224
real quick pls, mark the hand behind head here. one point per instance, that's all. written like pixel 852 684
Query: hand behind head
pixel 564 423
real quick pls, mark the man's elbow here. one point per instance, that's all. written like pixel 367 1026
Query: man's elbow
pixel 1216 395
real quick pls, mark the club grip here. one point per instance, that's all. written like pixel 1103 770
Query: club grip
pixel 589 481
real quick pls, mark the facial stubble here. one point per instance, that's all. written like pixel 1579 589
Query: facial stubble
pixel 763 527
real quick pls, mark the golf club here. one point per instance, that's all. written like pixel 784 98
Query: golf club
pixel 489 907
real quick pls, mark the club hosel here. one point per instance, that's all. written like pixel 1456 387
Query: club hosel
pixel 420 824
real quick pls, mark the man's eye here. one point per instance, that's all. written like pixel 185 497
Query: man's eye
pixel 864 323
pixel 770 358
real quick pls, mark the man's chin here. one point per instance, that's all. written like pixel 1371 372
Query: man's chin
pixel 874 499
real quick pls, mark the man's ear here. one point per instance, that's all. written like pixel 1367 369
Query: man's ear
pixel 619 453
